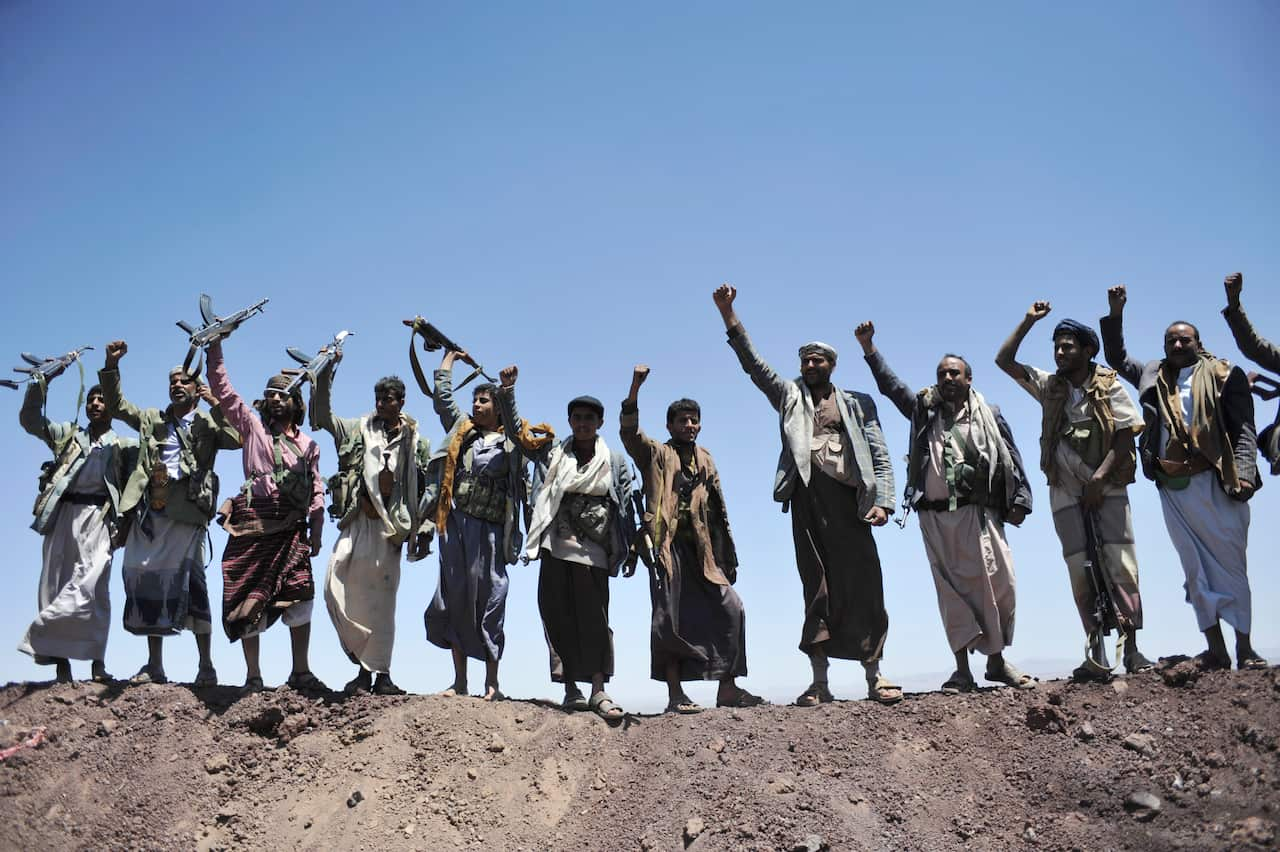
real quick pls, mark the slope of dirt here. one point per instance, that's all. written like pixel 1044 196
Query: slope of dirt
pixel 1176 760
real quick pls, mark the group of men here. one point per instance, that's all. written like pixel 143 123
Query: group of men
pixel 585 519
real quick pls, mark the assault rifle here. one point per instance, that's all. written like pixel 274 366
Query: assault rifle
pixel 313 364
pixel 1105 616
pixel 44 368
pixel 1267 388
pixel 433 340
pixel 642 545
pixel 214 327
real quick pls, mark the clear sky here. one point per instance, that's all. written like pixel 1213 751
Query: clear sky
pixel 562 187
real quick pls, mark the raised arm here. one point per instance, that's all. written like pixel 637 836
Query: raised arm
pixel 762 375
pixel 236 413
pixel 109 377
pixel 1113 349
pixel 887 381
pixel 1007 357
pixel 445 406
pixel 509 414
pixel 31 418
pixel 637 444
pixel 1256 348
pixel 321 408
pixel 1237 404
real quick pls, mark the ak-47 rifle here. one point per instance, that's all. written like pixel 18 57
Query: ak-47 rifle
pixel 1105 616
pixel 44 368
pixel 214 327
pixel 1267 388
pixel 433 339
pixel 313 364
pixel 642 545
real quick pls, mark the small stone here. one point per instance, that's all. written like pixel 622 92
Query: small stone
pixel 409 829
pixel 1085 732
pixel 472 774
pixel 355 798
pixel 217 763
pixel 648 844
pixel 1120 687
pixel 716 745
pixel 1141 743
pixel 228 812
pixel 692 829
pixel 1028 832
pixel 1215 759
pixel 782 786
pixel 810 843
pixel 1143 805
pixel 107 727
pixel 497 745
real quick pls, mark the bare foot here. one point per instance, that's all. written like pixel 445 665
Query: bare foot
pixel 455 690
pixel 492 693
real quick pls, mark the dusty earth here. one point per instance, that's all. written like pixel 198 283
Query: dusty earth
pixel 1173 760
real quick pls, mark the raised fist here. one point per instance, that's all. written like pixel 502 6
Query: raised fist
pixel 865 332
pixel 639 374
pixel 1233 283
pixel 724 296
pixel 508 376
pixel 1038 311
pixel 116 350
pixel 1116 297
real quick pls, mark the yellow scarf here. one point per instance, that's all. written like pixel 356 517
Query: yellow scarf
pixel 529 438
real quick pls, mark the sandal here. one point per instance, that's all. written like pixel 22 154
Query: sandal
pixel 817 693
pixel 605 707
pixel 1253 663
pixel 574 702
pixel 1091 672
pixel 306 682
pixel 206 677
pixel 959 683
pixel 883 690
pixel 1208 661
pixel 252 685
pixel 741 699
pixel 384 685
pixel 1136 662
pixel 146 674
pixel 684 706
pixel 1009 675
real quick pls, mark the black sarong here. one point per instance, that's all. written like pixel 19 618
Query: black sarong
pixel 699 624
pixel 573 600
pixel 840 570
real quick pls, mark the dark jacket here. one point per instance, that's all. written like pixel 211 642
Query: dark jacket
pixel 1017 490
pixel 1235 409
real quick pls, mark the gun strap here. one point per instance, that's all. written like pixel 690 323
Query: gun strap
pixel 417 367
pixel 75 418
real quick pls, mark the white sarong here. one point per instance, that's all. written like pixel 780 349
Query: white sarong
pixel 1210 531
pixel 360 592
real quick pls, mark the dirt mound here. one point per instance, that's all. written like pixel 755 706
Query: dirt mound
pixel 1136 764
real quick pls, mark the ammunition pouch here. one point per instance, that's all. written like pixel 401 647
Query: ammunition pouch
pixel 481 497
pixel 589 516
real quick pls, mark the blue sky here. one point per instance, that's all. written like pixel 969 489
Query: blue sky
pixel 563 186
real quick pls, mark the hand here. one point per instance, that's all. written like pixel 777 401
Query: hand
pixel 1116 297
pixel 865 332
pixel 116 350
pixel 315 546
pixel 1246 489
pixel 877 517
pixel 508 376
pixel 1016 515
pixel 1038 311
pixel 1233 283
pixel 724 296
pixel 638 375
pixel 1091 496
pixel 629 568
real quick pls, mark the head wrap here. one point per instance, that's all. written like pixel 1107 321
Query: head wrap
pixel 193 374
pixel 1084 335
pixel 278 382
pixel 820 348
pixel 587 402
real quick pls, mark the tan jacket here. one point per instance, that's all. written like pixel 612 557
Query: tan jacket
pixel 659 464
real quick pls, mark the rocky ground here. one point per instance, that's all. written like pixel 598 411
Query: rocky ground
pixel 1173 760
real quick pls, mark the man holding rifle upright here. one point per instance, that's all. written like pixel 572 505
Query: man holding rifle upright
pixel 1087 453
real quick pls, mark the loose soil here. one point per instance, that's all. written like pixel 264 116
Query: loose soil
pixel 1172 760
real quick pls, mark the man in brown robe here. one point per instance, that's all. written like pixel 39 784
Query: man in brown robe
pixel 698 630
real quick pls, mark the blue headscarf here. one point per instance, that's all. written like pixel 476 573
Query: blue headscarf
pixel 1084 335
